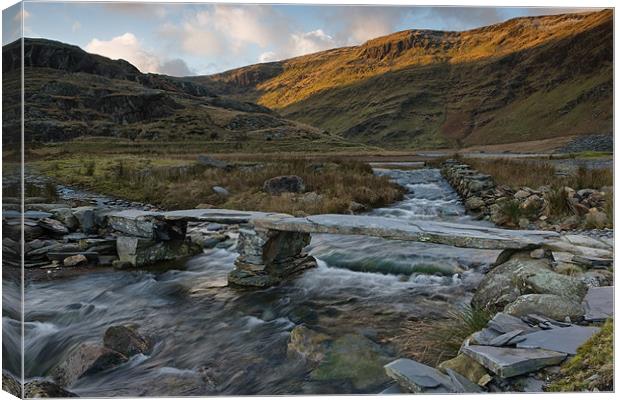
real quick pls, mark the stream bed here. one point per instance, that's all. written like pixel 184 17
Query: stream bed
pixel 216 340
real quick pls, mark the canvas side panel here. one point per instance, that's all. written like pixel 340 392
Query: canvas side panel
pixel 12 200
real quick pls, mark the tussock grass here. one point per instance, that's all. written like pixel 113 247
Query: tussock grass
pixel 533 174
pixel 432 342
pixel 557 202
pixel 176 184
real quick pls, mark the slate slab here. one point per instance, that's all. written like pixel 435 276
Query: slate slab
pixel 505 323
pixel 502 340
pixel 507 362
pixel 599 303
pixel 418 378
pixel 564 340
pixel 448 233
pixel 394 388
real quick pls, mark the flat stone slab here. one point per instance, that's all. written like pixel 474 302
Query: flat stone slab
pixel 507 362
pixel 564 340
pixel 417 377
pixel 12 214
pixel 196 215
pixel 577 250
pixel 459 235
pixel 505 323
pixel 599 303
pixel 501 340
pixel 586 241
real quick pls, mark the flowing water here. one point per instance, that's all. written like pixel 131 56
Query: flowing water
pixel 211 339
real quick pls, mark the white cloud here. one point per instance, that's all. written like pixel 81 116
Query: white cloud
pixel 225 30
pixel 76 26
pixel 129 48
pixel 310 42
pixel 267 57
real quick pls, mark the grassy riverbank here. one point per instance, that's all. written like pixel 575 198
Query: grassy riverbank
pixel 536 173
pixel 331 185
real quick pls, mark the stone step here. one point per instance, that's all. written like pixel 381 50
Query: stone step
pixel 507 362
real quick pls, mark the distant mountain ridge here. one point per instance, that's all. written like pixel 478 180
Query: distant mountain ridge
pixel 524 79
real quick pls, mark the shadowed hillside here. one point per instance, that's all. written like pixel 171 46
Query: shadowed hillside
pixel 524 79
pixel 70 93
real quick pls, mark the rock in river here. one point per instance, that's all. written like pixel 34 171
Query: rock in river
pixel 126 340
pixel 42 389
pixel 86 359
pixel 356 359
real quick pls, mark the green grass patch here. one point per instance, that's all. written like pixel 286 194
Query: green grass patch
pixel 592 368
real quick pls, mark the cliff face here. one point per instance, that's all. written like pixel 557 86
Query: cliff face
pixel 524 79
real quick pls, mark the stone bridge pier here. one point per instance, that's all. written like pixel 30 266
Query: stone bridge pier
pixel 266 257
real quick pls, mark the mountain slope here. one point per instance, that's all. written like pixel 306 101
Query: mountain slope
pixel 524 79
pixel 70 93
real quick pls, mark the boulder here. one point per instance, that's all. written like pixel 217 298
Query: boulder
pixel 84 360
pixel 65 215
pixel 220 191
pixel 284 184
pixel 523 275
pixel 549 305
pixel 596 218
pixel 126 340
pixel 507 362
pixel 38 388
pixel 474 203
pixel 499 286
pixel 72 261
pixel 86 218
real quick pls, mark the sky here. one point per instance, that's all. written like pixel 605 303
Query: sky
pixel 199 39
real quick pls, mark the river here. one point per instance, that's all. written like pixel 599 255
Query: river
pixel 216 340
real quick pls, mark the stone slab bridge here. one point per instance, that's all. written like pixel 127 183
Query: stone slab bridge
pixel 271 246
